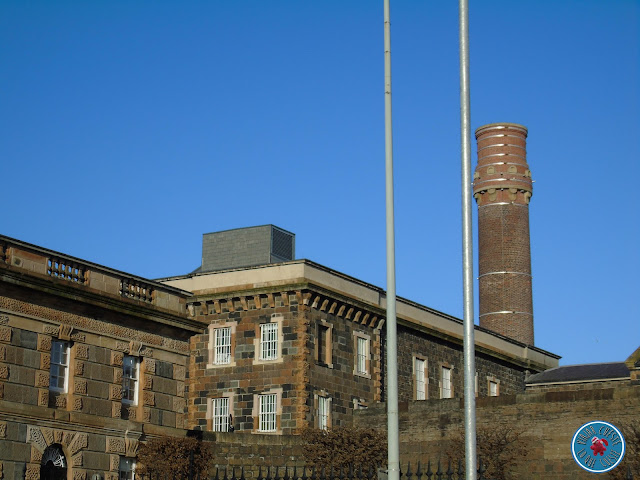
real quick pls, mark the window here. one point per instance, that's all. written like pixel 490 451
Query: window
pixel 268 341
pixel 222 345
pixel 420 378
pixel 220 414
pixel 323 345
pixel 324 411
pixel 268 412
pixel 446 383
pixel 59 372
pixel 361 360
pixel 130 380
pixel 222 337
pixel 493 388
pixel 126 470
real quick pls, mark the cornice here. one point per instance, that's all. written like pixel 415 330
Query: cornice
pixel 84 294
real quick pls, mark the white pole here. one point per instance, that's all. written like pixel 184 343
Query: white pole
pixel 393 460
pixel 467 249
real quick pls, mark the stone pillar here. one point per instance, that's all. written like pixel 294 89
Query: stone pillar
pixel 502 188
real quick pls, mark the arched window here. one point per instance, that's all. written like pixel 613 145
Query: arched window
pixel 53 465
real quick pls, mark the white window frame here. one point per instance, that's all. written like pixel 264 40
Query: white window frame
pixel 446 390
pixel 220 410
pixel 324 412
pixel 130 382
pixel 127 468
pixel 362 354
pixel 269 341
pixel 493 382
pixel 268 412
pixel 420 375
pixel 222 345
pixel 61 365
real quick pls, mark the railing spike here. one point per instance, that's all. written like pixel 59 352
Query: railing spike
pixel 439 471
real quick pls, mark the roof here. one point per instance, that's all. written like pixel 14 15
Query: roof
pixel 581 373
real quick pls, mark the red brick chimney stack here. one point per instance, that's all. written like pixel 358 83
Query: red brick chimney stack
pixel 502 188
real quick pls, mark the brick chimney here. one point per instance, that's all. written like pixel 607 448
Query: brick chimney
pixel 502 188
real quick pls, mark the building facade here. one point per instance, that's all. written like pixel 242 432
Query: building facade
pixel 91 360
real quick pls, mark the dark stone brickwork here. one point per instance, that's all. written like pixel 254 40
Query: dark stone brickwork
pixel 438 353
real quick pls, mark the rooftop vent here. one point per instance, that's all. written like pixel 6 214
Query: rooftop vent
pixel 246 247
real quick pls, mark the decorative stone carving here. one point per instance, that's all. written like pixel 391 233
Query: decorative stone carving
pixel 131 447
pixel 36 455
pixel 147 382
pixel 135 347
pixel 132 413
pixel 67 438
pixel 36 439
pixel 3 429
pixel 114 463
pixel 64 332
pixel 42 379
pixel 3 353
pixel 149 365
pixel 4 320
pixel 4 371
pixel 116 409
pixel 116 358
pixel 80 441
pixel 47 433
pixel 80 386
pixel 146 352
pixel 179 372
pixel 82 351
pixel 115 445
pixel 115 392
pixel 78 337
pixel 43 398
pixel 117 375
pixel 76 460
pixel 45 361
pixel 32 472
pixel 1 391
pixel 5 334
pixel 51 330
pixel 148 399
pixel 122 347
pixel 57 435
pixel 77 404
pixel 61 401
pixel 79 475
pixel 78 368
pixel 146 415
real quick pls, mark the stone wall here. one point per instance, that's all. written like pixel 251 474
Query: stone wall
pixel 439 352
pixel 548 421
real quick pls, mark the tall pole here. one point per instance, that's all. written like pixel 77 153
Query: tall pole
pixel 467 249
pixel 393 460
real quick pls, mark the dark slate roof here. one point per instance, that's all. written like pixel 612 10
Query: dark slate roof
pixel 575 373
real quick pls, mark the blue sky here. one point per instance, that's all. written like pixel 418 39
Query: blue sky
pixel 129 128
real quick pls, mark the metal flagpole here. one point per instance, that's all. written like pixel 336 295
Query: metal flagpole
pixel 393 460
pixel 467 248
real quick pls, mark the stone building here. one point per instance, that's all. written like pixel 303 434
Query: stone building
pixel 254 341
pixel 91 360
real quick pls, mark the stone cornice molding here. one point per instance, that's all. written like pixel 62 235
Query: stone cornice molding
pixel 308 295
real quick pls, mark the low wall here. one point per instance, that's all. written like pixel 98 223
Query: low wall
pixel 548 420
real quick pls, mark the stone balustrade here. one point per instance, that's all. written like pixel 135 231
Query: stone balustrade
pixel 22 257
